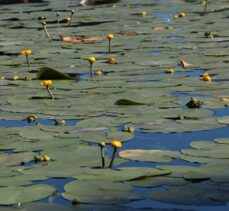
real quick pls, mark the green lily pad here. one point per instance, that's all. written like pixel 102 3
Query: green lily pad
pixel 35 133
pixel 99 192
pixel 157 181
pixel 108 137
pixel 16 159
pixel 193 194
pixel 121 174
pixel 223 120
pixel 16 194
pixel 149 155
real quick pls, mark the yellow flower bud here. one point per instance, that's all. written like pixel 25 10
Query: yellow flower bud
pixel 110 36
pixel 111 60
pixel 26 52
pixel 39 158
pixel 46 83
pixel 68 19
pixel 131 129
pixel 60 122
pixel 116 144
pixel 169 71
pixel 102 144
pixel 206 77
pixel 91 59
pixel 31 118
pixel 143 13
pixel 15 77
pixel 181 15
pixel 98 73
pixel 46 158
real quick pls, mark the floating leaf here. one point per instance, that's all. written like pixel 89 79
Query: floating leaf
pixel 81 39
pixel 108 137
pixel 223 120
pixel 99 192
pixel 149 155
pixel 193 194
pixel 16 194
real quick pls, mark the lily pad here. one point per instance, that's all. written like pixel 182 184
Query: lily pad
pixel 193 194
pixel 16 194
pixel 99 192
pixel 149 155
pixel 108 137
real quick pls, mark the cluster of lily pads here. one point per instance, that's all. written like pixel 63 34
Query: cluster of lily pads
pixel 164 74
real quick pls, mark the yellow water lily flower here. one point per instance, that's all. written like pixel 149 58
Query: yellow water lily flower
pixel 206 77
pixel 26 52
pixel 116 144
pixel 91 59
pixel 110 36
pixel 46 83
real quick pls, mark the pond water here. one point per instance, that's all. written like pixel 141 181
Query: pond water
pixel 176 158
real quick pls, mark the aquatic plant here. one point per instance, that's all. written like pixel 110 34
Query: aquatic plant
pixel 109 37
pixel 26 53
pixel 91 60
pixel 102 144
pixel 46 31
pixel 47 84
pixel 193 103
pixel 115 144
pixel 206 77
pixel 70 18
pixel 205 3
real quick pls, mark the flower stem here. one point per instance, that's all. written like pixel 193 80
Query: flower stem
pixel 205 7
pixel 113 156
pixel 102 156
pixel 48 35
pixel 109 45
pixel 70 21
pixel 27 60
pixel 50 93
pixel 91 68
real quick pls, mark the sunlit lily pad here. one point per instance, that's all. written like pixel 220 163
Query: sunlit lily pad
pixel 149 155
pixel 223 120
pixel 16 194
pixel 99 192
pixel 121 174
pixel 108 137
